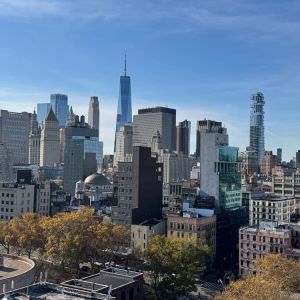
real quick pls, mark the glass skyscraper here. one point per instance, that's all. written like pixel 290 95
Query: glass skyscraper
pixel 228 168
pixel 59 103
pixel 42 111
pixel 124 113
pixel 257 129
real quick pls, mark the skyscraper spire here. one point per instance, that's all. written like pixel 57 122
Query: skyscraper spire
pixel 125 65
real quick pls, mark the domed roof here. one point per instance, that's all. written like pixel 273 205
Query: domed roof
pixel 97 179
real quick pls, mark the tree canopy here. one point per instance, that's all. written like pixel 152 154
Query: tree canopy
pixel 277 278
pixel 173 263
pixel 67 239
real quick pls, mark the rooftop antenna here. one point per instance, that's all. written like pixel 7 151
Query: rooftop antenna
pixel 125 66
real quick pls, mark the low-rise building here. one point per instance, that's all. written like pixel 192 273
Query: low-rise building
pixel 142 233
pixel 261 239
pixel 198 224
pixel 271 207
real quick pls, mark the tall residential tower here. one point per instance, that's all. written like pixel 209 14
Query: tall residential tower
pixel 257 129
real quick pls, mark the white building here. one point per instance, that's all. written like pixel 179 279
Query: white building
pixel 271 207
pixel 123 149
pixel 143 232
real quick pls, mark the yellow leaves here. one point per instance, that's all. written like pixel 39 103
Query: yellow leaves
pixel 278 278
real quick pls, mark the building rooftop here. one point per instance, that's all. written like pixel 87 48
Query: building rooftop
pixel 14 266
pixel 97 179
pixel 151 222
pixel 157 109
pixel 271 197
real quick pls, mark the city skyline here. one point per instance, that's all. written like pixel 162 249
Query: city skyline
pixel 173 61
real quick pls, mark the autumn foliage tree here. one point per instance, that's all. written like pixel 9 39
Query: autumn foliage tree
pixel 277 278
pixel 173 263
pixel 67 239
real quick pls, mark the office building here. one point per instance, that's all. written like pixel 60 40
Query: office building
pixel 259 240
pixel 271 207
pixel 124 113
pixel 138 188
pixel 93 114
pixel 268 163
pixel 83 152
pixel 257 129
pixel 183 132
pixel 220 174
pixel 279 156
pixel 298 159
pixel 6 170
pixel 59 104
pixel 42 112
pixel 214 129
pixel 14 134
pixel 50 143
pixel 123 146
pixel 34 141
pixel 151 121
pixel 176 166
pixel 142 233
pixel 248 160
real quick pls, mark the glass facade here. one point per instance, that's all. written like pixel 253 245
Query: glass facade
pixel 60 107
pixel 92 145
pixel 42 111
pixel 229 170
pixel 124 114
pixel 257 129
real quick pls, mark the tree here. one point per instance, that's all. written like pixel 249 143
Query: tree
pixel 277 278
pixel 173 263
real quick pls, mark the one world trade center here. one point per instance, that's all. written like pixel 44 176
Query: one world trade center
pixel 124 114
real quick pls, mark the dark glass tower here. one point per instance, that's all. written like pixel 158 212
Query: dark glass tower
pixel 124 114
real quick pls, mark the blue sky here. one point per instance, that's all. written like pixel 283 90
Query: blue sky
pixel 203 58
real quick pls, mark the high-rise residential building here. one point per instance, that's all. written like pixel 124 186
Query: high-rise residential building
pixel 279 156
pixel 124 113
pixel 42 111
pixel 6 170
pixel 138 188
pixel 50 143
pixel 257 129
pixel 83 152
pixel 93 117
pixel 213 128
pixel 268 163
pixel 59 104
pixel 34 141
pixel 123 149
pixel 151 121
pixel 183 131
pixel 14 134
